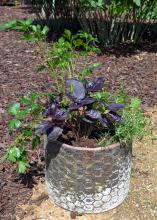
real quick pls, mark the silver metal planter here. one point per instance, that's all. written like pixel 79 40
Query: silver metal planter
pixel 87 180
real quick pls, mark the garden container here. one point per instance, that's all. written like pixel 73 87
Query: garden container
pixel 87 180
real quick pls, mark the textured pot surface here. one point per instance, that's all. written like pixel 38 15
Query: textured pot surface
pixel 87 180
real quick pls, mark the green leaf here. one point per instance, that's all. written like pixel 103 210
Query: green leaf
pixel 34 28
pixel 23 113
pixel 36 110
pixel 71 88
pixel 35 142
pixel 25 100
pixel 78 43
pixel 100 3
pixel 29 37
pixel 27 132
pixel 94 66
pixel 137 2
pixel 20 28
pixel 22 166
pixel 97 95
pixel 85 73
pixel 28 21
pixel 15 123
pixel 61 40
pixel 34 106
pixel 13 154
pixel 38 28
pixel 33 97
pixel 67 34
pixel 101 95
pixel 14 109
pixel 45 30
pixel 135 103
pixel 8 25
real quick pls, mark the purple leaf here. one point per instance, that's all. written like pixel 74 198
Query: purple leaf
pixel 61 115
pixel 58 100
pixel 93 114
pixel 55 133
pixel 114 107
pixel 105 122
pixel 115 116
pixel 76 89
pixel 74 106
pixel 50 110
pixel 43 127
pixel 80 103
pixel 96 84
pixel 87 120
pixel 86 101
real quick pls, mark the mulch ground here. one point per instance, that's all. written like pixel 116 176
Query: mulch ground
pixel 135 68
pixel 18 75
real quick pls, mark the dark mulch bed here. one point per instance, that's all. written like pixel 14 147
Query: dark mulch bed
pixel 134 68
pixel 18 62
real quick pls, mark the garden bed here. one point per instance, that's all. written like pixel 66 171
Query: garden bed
pixel 135 68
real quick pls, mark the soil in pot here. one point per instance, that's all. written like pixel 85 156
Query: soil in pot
pixel 91 141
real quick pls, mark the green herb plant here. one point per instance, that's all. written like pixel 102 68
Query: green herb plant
pixel 134 125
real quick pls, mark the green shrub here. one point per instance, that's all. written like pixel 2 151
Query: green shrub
pixel 111 22
pixel 117 20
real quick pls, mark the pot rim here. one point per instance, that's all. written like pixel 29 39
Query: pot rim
pixel 96 149
pixel 107 148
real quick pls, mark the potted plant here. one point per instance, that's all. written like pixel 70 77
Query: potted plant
pixel 88 132
pixel 88 147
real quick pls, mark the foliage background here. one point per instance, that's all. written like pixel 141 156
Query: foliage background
pixel 110 21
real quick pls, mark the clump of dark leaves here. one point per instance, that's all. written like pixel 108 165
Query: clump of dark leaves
pixel 78 107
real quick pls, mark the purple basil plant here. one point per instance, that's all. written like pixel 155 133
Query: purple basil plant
pixel 80 110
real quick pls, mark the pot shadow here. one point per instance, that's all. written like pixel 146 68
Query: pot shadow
pixel 52 150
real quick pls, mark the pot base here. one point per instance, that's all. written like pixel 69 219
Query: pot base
pixel 89 203
pixel 87 181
